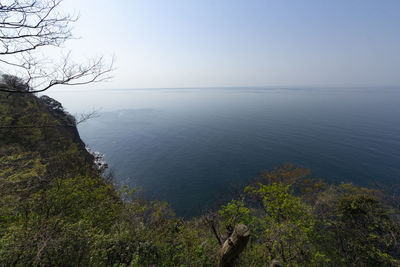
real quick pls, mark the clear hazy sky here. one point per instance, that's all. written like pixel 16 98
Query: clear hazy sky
pixel 207 43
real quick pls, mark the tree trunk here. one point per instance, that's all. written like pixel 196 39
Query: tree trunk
pixel 233 246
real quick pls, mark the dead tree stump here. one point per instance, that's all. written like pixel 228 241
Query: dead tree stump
pixel 233 246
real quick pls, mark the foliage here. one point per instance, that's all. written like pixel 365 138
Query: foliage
pixel 320 226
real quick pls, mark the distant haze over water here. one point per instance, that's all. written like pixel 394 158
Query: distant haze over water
pixel 192 147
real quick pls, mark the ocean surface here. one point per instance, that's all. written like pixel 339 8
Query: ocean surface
pixel 196 147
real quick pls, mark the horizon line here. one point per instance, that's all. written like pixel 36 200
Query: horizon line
pixel 302 87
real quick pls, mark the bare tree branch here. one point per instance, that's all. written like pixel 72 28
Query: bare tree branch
pixel 209 219
pixel 84 117
pixel 29 26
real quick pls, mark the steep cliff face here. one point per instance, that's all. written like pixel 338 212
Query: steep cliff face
pixel 29 124
pixel 53 202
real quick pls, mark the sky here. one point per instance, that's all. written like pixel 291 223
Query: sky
pixel 213 43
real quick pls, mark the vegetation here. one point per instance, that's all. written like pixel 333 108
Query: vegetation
pixel 56 209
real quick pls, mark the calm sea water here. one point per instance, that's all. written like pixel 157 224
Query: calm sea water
pixel 193 147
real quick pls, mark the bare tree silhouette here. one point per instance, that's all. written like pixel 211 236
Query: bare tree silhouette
pixel 27 28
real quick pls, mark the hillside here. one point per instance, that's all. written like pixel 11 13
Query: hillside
pixel 57 209
pixel 40 125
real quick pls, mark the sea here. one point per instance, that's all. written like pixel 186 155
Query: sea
pixel 196 148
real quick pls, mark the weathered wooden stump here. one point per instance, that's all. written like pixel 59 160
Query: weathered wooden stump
pixel 233 246
pixel 275 263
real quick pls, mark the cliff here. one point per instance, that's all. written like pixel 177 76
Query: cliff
pixel 41 126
